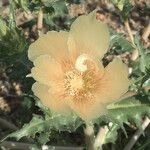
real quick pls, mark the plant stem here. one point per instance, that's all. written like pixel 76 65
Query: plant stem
pixel 137 134
pixel 89 136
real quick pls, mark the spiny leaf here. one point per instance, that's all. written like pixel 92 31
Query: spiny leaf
pixel 130 109
pixel 12 42
pixel 120 44
pixel 111 134
pixel 119 3
pixel 37 124
pixel 144 58
pixel 60 122
pixel 43 138
pixel 3 27
pixel 124 6
pixel 22 4
pixel 52 121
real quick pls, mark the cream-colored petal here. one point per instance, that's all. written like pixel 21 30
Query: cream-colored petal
pixel 88 109
pixel 53 43
pixel 114 83
pixel 43 93
pixel 88 35
pixel 46 70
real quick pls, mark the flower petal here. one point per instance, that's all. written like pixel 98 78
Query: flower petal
pixel 88 109
pixel 42 92
pixel 52 43
pixel 46 70
pixel 114 83
pixel 88 35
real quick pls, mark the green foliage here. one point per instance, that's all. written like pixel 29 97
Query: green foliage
pixel 111 134
pixel 137 105
pixel 12 42
pixel 3 27
pixel 124 6
pixel 128 111
pixel 119 43
pixel 22 4
pixel 54 11
pixel 44 125
pixel 119 3
pixel 144 56
pixel 37 124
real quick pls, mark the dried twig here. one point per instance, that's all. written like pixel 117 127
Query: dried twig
pixel 135 53
pixel 40 20
pixel 146 33
pixel 129 31
pixel 28 146
pixel 7 124
pixel 137 134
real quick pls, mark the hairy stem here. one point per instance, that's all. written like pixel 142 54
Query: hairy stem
pixel 89 136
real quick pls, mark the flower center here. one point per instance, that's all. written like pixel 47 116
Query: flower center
pixel 73 82
pixel 82 81
pixel 81 86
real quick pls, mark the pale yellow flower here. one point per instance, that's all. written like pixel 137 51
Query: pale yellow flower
pixel 70 76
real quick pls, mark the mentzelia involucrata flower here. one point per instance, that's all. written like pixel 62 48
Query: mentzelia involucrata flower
pixel 69 76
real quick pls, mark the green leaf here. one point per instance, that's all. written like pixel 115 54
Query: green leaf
pixel 24 4
pixel 60 122
pixel 128 110
pixel 12 42
pixel 119 43
pixel 119 3
pixel 144 56
pixel 3 27
pixel 54 11
pixel 147 82
pixel 12 19
pixel 43 138
pixel 111 134
pixel 51 121
pixel 131 109
pixel 36 125
pixel 124 6
pixel 60 8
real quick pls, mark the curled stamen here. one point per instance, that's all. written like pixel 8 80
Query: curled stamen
pixel 85 62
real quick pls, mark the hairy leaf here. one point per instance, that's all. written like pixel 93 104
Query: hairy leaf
pixel 51 121
pixel 120 44
pixel 124 6
pixel 111 134
pixel 36 125
pixel 144 56
pixel 130 109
